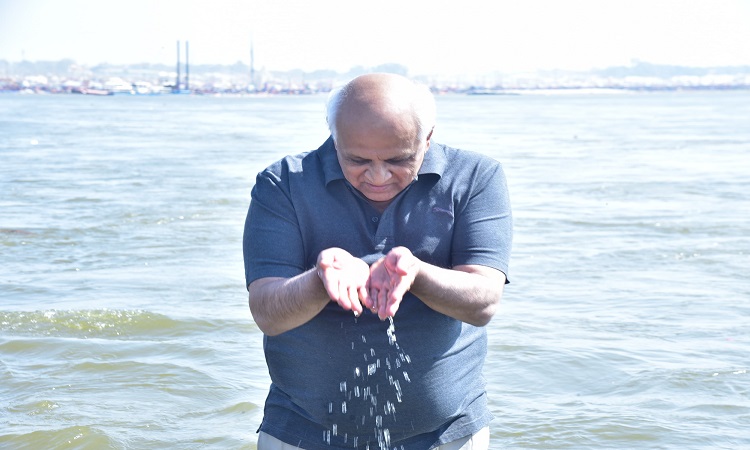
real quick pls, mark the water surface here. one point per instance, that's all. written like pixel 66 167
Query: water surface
pixel 124 320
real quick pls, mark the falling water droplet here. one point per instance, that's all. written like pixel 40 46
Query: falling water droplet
pixel 391 332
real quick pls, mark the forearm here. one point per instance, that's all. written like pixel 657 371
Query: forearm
pixel 468 293
pixel 281 304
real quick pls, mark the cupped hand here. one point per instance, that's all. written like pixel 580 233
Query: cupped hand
pixel 390 278
pixel 345 278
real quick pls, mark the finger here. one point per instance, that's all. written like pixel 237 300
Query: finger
pixel 400 286
pixel 390 311
pixel 382 303
pixel 364 297
pixel 391 262
pixel 343 297
pixel 364 294
pixel 354 300
pixel 373 300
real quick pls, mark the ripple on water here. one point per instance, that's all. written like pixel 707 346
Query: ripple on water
pixel 98 323
pixel 76 437
pixel 153 380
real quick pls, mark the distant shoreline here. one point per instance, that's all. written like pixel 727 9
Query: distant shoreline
pixel 436 91
pixel 67 77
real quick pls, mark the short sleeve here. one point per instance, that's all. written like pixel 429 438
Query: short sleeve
pixel 272 242
pixel 484 225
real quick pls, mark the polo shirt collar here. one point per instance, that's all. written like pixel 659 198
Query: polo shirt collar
pixel 331 167
pixel 434 161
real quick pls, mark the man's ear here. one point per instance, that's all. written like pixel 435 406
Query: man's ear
pixel 429 136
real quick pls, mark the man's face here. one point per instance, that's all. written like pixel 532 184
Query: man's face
pixel 380 162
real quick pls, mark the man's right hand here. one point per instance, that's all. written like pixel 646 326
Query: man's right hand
pixel 345 278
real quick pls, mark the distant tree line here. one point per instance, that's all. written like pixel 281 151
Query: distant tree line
pixel 645 69
pixel 69 68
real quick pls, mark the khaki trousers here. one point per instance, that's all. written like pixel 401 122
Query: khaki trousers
pixel 478 441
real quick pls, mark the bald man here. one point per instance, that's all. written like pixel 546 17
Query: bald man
pixel 379 222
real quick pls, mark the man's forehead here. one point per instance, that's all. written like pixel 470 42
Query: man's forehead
pixel 380 153
pixel 380 110
pixel 376 87
pixel 365 122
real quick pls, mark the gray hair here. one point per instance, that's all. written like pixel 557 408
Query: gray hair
pixel 422 105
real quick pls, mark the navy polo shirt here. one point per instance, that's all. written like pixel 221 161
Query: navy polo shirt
pixel 344 382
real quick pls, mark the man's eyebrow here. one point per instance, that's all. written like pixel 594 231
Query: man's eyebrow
pixel 402 158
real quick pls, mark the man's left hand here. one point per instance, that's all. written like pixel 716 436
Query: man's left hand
pixel 391 277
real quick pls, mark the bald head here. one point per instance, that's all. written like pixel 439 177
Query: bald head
pixel 385 102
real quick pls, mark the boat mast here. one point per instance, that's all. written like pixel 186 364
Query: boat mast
pixel 252 65
pixel 177 81
pixel 187 66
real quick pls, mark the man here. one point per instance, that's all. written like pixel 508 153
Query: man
pixel 378 223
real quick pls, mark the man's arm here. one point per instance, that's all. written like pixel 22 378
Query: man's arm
pixel 469 293
pixel 281 304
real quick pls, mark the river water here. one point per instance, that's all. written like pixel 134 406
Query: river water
pixel 123 315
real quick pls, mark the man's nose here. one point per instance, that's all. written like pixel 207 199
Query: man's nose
pixel 379 173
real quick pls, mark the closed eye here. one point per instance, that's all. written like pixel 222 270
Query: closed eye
pixel 400 161
pixel 358 161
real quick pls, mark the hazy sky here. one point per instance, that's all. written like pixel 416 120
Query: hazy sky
pixel 428 36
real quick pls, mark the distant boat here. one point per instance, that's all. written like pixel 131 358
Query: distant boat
pixel 488 91
pixel 91 91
